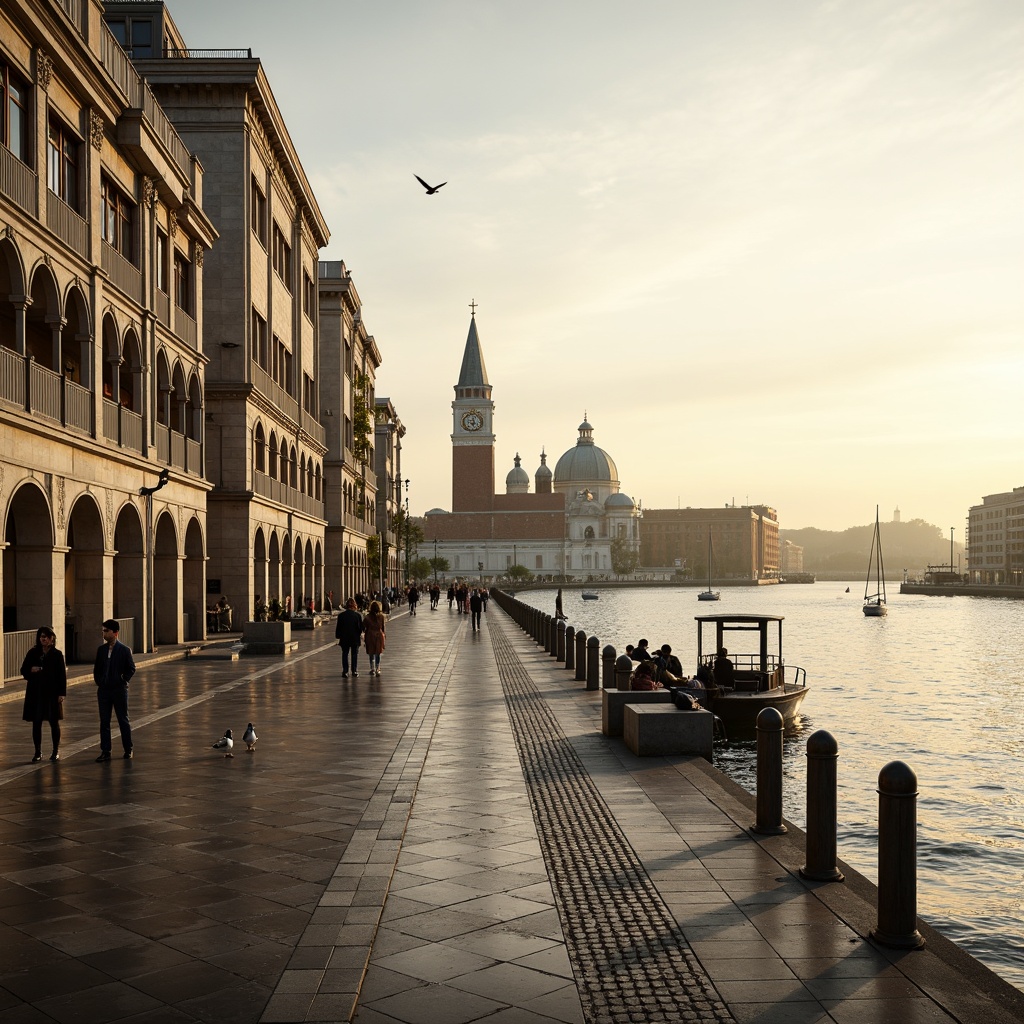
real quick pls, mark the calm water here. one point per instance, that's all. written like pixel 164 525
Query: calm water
pixel 938 683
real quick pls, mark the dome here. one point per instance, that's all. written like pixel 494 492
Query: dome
pixel 517 482
pixel 586 463
pixel 543 470
pixel 618 500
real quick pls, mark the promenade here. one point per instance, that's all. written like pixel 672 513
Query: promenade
pixel 453 841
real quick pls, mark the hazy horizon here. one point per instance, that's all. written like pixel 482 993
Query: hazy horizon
pixel 772 251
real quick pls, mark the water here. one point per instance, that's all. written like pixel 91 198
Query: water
pixel 938 683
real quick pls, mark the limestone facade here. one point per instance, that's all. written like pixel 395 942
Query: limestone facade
pixel 102 369
pixel 995 538
pixel 389 431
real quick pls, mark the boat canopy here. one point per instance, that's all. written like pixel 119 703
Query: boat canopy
pixel 737 624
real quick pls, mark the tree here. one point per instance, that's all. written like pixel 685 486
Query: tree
pixel 519 574
pixel 373 557
pixel 439 565
pixel 625 557
pixel 419 568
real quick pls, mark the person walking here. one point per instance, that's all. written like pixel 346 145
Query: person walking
pixel 413 597
pixel 46 679
pixel 347 632
pixel 451 595
pixel 374 636
pixel 112 672
pixel 476 605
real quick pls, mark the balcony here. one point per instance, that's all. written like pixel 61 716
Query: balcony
pixel 283 494
pixel 67 224
pixel 185 328
pixel 275 393
pixel 18 182
pixel 175 449
pixel 123 274
pixel 34 389
pixel 122 426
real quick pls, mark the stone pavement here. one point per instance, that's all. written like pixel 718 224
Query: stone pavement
pixel 453 841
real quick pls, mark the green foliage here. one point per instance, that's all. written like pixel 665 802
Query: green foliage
pixel 625 558
pixel 362 419
pixel 373 556
pixel 519 574
pixel 439 564
pixel 419 568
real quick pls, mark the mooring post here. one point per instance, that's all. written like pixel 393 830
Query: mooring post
pixel 608 668
pixel 769 774
pixel 570 647
pixel 593 663
pixel 822 808
pixel 897 858
pixel 623 670
pixel 581 656
pixel 560 640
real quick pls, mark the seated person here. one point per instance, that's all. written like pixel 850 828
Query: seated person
pixel 724 674
pixel 705 678
pixel 640 652
pixel 670 666
pixel 643 677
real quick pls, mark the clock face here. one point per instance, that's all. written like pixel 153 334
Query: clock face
pixel 472 420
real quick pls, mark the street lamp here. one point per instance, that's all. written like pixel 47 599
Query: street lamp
pixel 951 551
pixel 407 530
pixel 147 493
pixel 435 561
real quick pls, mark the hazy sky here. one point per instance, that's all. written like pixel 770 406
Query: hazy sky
pixel 775 251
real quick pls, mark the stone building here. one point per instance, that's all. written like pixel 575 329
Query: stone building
pixel 102 242
pixel 266 442
pixel 566 528
pixel 348 368
pixel 745 541
pixel 389 431
pixel 995 539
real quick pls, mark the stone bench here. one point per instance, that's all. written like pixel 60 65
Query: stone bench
pixel 268 638
pixel 661 730
pixel 613 702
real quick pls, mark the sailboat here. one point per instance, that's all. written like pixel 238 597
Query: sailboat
pixel 874 603
pixel 709 594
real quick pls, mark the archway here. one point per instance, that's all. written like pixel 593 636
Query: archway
pixel 76 340
pixel 274 570
pixel 83 579
pixel 309 584
pixel 28 564
pixel 287 577
pixel 299 575
pixel 259 566
pixel 42 321
pixel 11 283
pixel 167 596
pixel 129 573
pixel 318 573
pixel 193 583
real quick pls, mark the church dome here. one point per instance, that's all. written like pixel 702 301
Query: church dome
pixel 586 463
pixel 543 470
pixel 517 481
pixel 618 500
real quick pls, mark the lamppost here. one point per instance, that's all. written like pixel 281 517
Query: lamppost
pixel 407 530
pixel 435 561
pixel 147 493
pixel 951 551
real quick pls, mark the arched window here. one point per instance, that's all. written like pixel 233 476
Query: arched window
pixel 259 445
pixel 588 533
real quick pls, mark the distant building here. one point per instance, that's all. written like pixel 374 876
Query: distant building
pixel 792 557
pixel 896 514
pixel 995 538
pixel 745 541
pixel 387 452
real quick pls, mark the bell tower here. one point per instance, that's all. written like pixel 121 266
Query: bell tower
pixel 473 430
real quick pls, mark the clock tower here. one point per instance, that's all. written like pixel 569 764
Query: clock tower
pixel 472 431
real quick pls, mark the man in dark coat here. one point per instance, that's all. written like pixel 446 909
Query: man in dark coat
pixel 347 632
pixel 476 604
pixel 113 669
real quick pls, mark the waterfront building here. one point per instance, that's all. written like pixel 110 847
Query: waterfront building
pixel 266 442
pixel 387 451
pixel 349 358
pixel 745 541
pixel 103 234
pixel 995 538
pixel 569 526
pixel 791 557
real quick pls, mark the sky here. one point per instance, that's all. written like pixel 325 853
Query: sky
pixel 774 252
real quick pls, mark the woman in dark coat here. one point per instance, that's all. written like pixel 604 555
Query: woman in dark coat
pixel 47 679
pixel 373 636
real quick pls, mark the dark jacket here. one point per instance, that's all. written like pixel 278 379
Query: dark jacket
pixel 476 603
pixel 43 688
pixel 348 628
pixel 121 663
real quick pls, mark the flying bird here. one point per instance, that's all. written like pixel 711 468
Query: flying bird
pixel 431 189
pixel 249 738
pixel 225 743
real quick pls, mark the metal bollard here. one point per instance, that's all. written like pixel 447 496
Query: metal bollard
pixel 608 668
pixel 581 656
pixel 570 647
pixel 593 663
pixel 897 858
pixel 769 774
pixel 560 640
pixel 552 637
pixel 545 629
pixel 822 809
pixel 623 670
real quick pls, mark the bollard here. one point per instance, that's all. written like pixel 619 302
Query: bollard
pixel 553 638
pixel 581 656
pixel 608 668
pixel 897 858
pixel 822 809
pixel 545 628
pixel 570 647
pixel 593 663
pixel 769 774
pixel 560 640
pixel 623 670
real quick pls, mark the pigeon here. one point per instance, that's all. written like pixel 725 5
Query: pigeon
pixel 249 737
pixel 225 743
pixel 431 189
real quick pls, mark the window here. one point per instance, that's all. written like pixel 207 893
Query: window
pixel 135 36
pixel 282 257
pixel 260 351
pixel 62 150
pixel 258 211
pixel 162 270
pixel 182 283
pixel 118 220
pixel 308 296
pixel 14 112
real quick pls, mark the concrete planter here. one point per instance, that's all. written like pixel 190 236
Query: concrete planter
pixel 268 638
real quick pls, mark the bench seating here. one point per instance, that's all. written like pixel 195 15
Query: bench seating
pixel 613 701
pixel 662 730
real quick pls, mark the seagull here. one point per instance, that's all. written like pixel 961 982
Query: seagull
pixel 249 738
pixel 431 189
pixel 225 743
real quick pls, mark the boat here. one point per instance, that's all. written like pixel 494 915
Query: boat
pixel 589 595
pixel 874 603
pixel 760 678
pixel 709 594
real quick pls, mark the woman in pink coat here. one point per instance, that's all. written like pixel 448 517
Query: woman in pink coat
pixel 374 636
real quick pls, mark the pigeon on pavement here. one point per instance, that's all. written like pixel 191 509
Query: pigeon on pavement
pixel 249 738
pixel 225 743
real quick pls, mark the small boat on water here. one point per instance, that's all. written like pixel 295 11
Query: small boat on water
pixel 709 594
pixel 874 602
pixel 589 595
pixel 756 680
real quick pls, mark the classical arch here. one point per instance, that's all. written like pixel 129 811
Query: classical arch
pixel 166 588
pixel 164 396
pixel 259 565
pixel 83 577
pixel 179 399
pixel 28 561
pixel 274 569
pixel 309 585
pixel 194 409
pixel 193 582
pixel 76 339
pixel 129 569
pixel 44 319
pixel 259 451
pixel 272 455
pixel 12 282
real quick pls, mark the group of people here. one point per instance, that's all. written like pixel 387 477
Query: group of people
pixel 463 597
pixel 353 628
pixel 46 677
pixel 662 669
